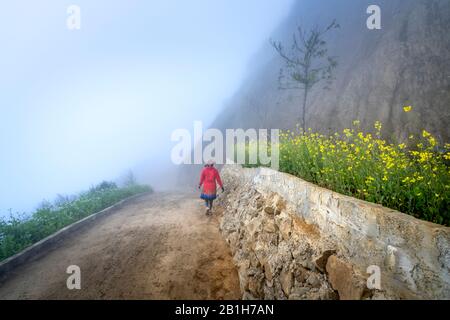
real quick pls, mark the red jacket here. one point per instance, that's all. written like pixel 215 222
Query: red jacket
pixel 208 179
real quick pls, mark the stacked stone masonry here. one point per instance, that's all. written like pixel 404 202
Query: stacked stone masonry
pixel 294 240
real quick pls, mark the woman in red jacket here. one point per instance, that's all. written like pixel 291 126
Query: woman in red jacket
pixel 208 179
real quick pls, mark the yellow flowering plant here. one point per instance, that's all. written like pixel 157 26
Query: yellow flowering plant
pixel 407 109
pixel 411 179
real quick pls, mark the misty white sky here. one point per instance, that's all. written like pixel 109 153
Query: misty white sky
pixel 78 107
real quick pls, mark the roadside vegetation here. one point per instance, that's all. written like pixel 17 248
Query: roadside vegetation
pixel 412 177
pixel 18 232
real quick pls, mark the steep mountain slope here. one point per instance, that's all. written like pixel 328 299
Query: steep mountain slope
pixel 407 62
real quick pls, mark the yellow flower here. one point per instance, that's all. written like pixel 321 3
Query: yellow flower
pixel 425 156
pixel 378 125
pixel 348 132
pixel 369 180
pixel 425 134
pixel 407 109
pixel 432 141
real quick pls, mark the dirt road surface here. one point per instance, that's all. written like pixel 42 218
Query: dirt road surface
pixel 158 246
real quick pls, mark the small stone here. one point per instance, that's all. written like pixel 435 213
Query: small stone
pixel 321 262
pixel 300 274
pixel 269 283
pixel 286 280
pixel 269 293
pixel 344 280
pixel 248 296
pixel 252 271
pixel 378 295
pixel 278 291
pixel 259 204
pixel 268 270
pixel 299 291
pixel 280 205
pixel 314 281
pixel 328 295
pixel 310 266
pixel 269 210
pixel 313 295
pixel 255 286
pixel 285 226
pixel 270 226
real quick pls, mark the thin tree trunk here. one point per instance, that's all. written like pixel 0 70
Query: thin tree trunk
pixel 305 97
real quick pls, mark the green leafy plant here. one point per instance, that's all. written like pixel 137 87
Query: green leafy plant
pixel 19 232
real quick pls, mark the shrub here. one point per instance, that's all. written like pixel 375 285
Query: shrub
pixel 19 232
pixel 411 177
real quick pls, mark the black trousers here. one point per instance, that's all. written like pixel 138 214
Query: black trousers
pixel 209 203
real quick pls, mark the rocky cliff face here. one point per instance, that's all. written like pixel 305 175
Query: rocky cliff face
pixel 407 62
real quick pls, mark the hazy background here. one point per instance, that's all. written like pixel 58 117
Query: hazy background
pixel 405 63
pixel 78 107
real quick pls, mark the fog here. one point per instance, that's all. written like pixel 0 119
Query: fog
pixel 82 106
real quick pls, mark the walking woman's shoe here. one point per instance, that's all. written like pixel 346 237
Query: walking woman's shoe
pixel 208 211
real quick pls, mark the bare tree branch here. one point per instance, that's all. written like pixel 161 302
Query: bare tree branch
pixel 308 64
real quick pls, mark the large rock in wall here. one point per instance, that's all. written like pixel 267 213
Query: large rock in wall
pixel 293 240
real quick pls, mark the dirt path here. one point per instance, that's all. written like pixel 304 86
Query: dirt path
pixel 159 246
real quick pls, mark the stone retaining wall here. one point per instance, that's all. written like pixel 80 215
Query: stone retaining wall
pixel 293 239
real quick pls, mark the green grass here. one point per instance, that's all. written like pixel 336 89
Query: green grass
pixel 19 232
